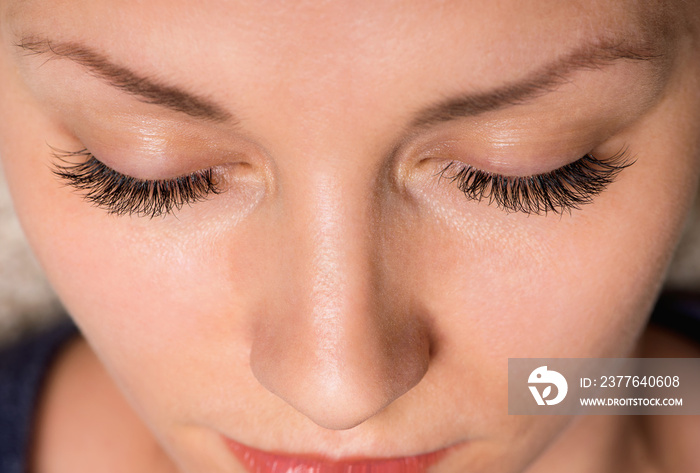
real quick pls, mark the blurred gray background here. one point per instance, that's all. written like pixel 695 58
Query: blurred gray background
pixel 27 301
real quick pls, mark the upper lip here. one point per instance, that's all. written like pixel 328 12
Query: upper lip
pixel 260 461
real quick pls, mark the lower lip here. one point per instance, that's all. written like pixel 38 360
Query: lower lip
pixel 259 461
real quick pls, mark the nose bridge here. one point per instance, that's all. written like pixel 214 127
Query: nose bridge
pixel 339 271
pixel 335 347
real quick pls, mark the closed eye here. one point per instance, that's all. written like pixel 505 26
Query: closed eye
pixel 558 191
pixel 120 194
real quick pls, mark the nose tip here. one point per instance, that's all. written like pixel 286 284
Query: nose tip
pixel 339 335
pixel 340 374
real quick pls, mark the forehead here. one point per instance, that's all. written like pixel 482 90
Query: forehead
pixel 368 56
pixel 486 36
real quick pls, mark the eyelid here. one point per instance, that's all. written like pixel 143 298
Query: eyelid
pixel 120 194
pixel 520 157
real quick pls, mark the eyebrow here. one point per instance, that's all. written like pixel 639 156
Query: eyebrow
pixel 593 56
pixel 596 55
pixel 146 89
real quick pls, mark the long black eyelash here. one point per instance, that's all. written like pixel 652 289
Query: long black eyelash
pixel 558 191
pixel 125 195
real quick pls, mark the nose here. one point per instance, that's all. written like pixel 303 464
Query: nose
pixel 337 340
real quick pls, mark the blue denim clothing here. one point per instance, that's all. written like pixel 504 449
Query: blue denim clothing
pixel 23 367
pixel 679 312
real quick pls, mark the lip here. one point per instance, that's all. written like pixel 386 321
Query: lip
pixel 260 461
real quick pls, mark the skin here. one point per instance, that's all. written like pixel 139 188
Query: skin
pixel 338 298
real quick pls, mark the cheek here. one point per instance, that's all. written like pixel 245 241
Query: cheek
pixel 540 286
pixel 156 298
pixel 507 285
pixel 161 308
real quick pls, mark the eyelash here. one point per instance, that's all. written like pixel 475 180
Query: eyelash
pixel 119 194
pixel 562 190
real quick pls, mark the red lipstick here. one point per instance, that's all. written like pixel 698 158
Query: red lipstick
pixel 259 461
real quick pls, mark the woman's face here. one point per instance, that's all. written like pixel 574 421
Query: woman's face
pixel 340 295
